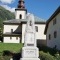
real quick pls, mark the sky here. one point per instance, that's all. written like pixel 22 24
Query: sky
pixel 41 8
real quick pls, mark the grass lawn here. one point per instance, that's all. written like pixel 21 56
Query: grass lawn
pixel 14 47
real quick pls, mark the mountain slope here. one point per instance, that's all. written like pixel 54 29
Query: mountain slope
pixel 5 15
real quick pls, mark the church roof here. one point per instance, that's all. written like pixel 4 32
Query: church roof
pixel 18 21
pixel 11 34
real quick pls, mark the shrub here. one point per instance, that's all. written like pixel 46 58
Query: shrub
pixel 57 56
pixel 45 56
pixel 5 57
pixel 46 49
pixel 7 53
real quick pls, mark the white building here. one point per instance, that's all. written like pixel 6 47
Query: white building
pixel 52 30
pixel 14 30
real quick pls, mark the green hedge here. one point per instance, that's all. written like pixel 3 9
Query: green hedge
pixel 57 56
pixel 45 56
pixel 5 57
pixel 46 49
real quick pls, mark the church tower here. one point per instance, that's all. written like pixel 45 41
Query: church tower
pixel 20 12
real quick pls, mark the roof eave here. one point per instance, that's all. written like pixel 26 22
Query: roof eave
pixel 11 34
pixel 24 22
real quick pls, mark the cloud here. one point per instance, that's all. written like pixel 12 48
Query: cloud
pixel 4 3
pixel 9 8
pixel 7 1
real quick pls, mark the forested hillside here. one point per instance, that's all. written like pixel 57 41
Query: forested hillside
pixel 5 15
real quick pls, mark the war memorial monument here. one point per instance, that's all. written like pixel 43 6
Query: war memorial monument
pixel 30 50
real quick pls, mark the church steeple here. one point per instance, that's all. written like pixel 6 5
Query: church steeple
pixel 21 4
pixel 20 11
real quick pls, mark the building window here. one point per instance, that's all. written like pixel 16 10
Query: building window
pixel 16 38
pixel 55 34
pixel 10 38
pixel 20 16
pixel 11 30
pixel 54 21
pixel 36 27
pixel 49 37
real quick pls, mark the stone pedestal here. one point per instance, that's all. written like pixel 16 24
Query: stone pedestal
pixel 30 53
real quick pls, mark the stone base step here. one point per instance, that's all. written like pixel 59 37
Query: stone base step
pixel 29 59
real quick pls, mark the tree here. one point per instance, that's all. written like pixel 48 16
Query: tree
pixel 1 37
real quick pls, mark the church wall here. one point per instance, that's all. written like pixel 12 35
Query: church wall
pixel 39 35
pixel 7 28
pixel 52 42
pixel 13 40
pixel 23 32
